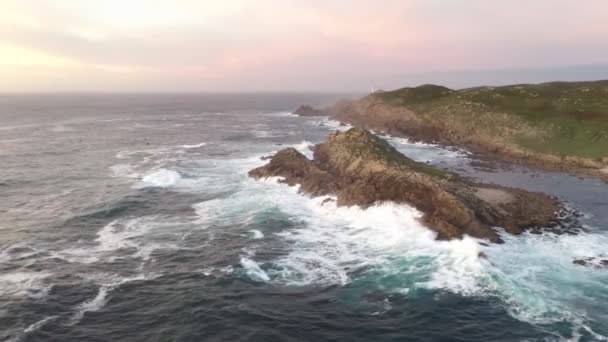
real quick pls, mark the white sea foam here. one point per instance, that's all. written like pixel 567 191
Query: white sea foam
pixel 94 304
pixel 253 270
pixel 140 234
pixel 536 276
pixel 338 240
pixel 22 284
pixel 333 125
pixel 256 234
pixel 193 146
pixel 227 269
pixel 124 170
pixel 117 235
pixel 281 114
pixel 424 152
pixel 334 241
pixel 101 299
pixel 142 162
pixel 37 325
pixel 305 147
pixel 114 236
pixel 160 178
pixel 209 210
pixel 533 275
pixel 136 238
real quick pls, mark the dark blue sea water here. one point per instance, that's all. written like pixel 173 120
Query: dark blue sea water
pixel 131 218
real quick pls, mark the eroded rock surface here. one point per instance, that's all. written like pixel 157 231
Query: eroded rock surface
pixel 361 169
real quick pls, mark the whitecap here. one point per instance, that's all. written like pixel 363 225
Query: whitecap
pixel 124 170
pixel 281 114
pixel 137 238
pixel 305 147
pixel 253 270
pixel 101 298
pixel 333 125
pixel 193 146
pixel 94 304
pixel 256 234
pixel 227 269
pixel 37 325
pixel 209 210
pixel 22 284
pixel 163 178
pixel 117 235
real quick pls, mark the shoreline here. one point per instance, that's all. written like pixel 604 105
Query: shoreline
pixel 385 119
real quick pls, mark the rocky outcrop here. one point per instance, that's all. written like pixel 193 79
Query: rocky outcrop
pixel 595 262
pixel 361 169
pixel 310 111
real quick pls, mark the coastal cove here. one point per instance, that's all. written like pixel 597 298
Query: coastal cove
pixel 133 217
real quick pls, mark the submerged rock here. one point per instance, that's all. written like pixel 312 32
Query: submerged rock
pixel 310 111
pixel 362 169
pixel 595 262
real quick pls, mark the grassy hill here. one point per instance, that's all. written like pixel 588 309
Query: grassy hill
pixel 562 119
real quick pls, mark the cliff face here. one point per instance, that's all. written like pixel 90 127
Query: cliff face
pixel 362 169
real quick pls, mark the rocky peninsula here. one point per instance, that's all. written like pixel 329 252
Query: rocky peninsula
pixel 561 126
pixel 362 169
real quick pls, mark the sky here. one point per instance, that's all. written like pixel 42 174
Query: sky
pixel 296 45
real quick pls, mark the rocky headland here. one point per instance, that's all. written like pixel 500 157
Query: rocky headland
pixel 310 111
pixel 359 168
pixel 556 126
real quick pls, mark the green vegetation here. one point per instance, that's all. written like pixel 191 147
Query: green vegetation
pixel 418 94
pixel 559 118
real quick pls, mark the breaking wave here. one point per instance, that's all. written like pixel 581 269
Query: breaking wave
pixel 193 146
pixel 22 284
pixel 386 245
pixel 161 178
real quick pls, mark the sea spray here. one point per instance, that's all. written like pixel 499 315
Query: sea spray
pixel 387 244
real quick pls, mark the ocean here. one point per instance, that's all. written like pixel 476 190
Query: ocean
pixel 131 218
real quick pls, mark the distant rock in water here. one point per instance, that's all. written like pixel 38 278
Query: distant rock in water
pixel 362 169
pixel 310 111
